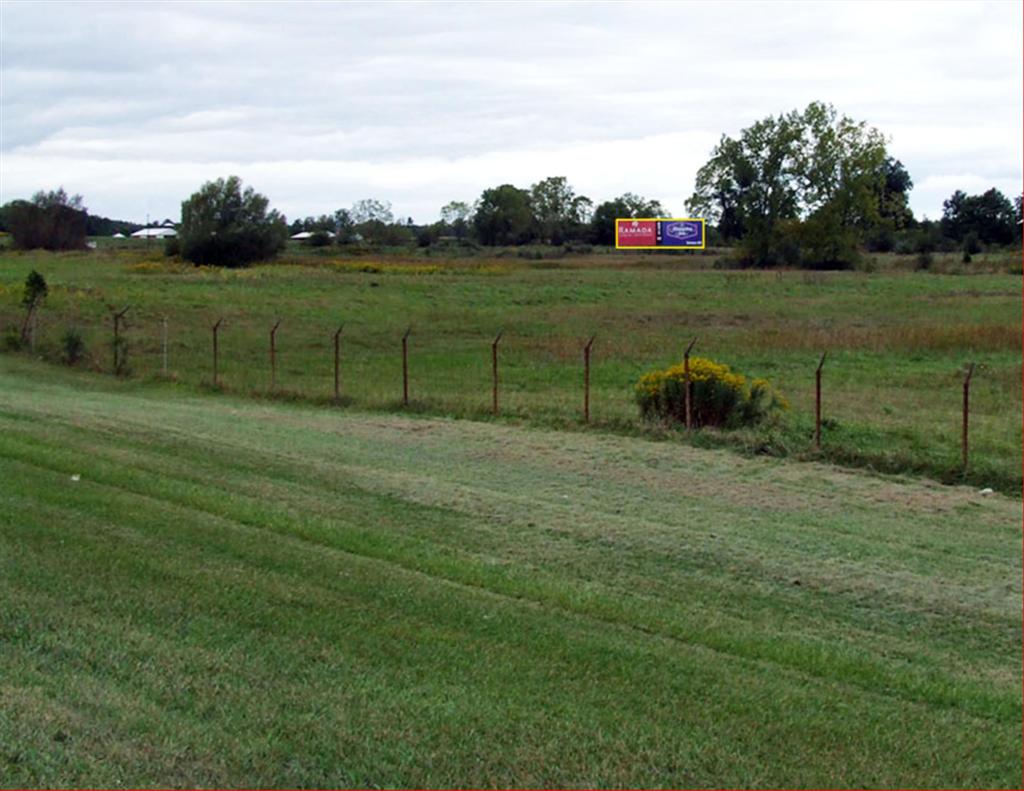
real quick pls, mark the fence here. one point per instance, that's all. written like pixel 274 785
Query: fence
pixel 121 337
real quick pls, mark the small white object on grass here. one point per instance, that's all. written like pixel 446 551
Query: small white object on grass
pixel 986 491
pixel 76 477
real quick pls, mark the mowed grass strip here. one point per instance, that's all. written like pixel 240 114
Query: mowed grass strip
pixel 257 594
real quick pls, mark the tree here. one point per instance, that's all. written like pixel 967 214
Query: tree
pixel 369 209
pixel 104 226
pixel 455 216
pixel 894 206
pixel 375 223
pixel 801 185
pixel 57 197
pixel 558 212
pixel 602 223
pixel 224 225
pixel 51 220
pixel 990 216
pixel 504 216
pixel 344 227
pixel 32 297
pixel 842 168
pixel 750 186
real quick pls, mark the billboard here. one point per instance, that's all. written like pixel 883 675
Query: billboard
pixel 649 233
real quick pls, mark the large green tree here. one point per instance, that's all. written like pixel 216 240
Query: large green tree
pixel 504 216
pixel 558 212
pixel 751 185
pixel 224 225
pixel 802 187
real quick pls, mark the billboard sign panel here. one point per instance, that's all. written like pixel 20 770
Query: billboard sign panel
pixel 636 233
pixel 645 233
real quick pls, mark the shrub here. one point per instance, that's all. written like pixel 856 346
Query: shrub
pixel 720 397
pixel 320 239
pixel 172 247
pixel 73 346
pixel 12 339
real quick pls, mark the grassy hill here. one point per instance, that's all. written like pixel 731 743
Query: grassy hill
pixel 250 593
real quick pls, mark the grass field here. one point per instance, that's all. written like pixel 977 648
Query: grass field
pixel 897 340
pixel 264 594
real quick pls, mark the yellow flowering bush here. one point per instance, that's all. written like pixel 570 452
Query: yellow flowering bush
pixel 720 396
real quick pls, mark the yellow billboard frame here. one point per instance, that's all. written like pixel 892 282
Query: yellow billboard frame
pixel 703 233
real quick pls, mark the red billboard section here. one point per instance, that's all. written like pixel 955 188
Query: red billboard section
pixel 636 233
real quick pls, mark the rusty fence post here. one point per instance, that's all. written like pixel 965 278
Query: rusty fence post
pixel 967 391
pixel 215 328
pixel 273 355
pixel 494 372
pixel 688 385
pixel 586 379
pixel 817 402
pixel 337 363
pixel 119 357
pixel 405 367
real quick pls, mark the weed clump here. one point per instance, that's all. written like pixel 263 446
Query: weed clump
pixel 12 339
pixel 720 397
pixel 72 346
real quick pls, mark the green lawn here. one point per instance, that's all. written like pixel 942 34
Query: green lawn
pixel 241 593
pixel 897 340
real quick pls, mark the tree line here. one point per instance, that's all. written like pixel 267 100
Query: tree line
pixel 548 212
pixel 54 220
pixel 810 188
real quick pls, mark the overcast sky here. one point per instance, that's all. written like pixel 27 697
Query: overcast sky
pixel 316 105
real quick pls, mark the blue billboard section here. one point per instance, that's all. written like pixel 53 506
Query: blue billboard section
pixel 680 233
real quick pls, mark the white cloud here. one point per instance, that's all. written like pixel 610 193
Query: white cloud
pixel 320 104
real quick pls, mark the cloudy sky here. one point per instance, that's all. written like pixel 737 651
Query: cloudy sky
pixel 135 105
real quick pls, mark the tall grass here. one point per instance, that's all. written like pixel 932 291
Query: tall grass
pixel 897 340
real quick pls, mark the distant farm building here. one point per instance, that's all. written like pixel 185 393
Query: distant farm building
pixel 154 233
pixel 309 234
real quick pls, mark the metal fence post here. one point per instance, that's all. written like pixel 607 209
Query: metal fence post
pixel 273 355
pixel 688 385
pixel 216 327
pixel 165 347
pixel 494 372
pixel 817 402
pixel 337 365
pixel 967 390
pixel 405 367
pixel 586 379
pixel 118 356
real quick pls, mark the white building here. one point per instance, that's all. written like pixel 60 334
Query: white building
pixel 308 234
pixel 154 233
